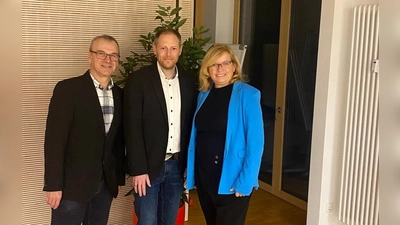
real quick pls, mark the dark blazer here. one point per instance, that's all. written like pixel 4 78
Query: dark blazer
pixel 146 120
pixel 77 150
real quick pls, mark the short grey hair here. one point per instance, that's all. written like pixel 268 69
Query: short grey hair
pixel 104 37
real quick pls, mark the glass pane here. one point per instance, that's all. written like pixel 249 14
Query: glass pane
pixel 264 72
pixel 300 88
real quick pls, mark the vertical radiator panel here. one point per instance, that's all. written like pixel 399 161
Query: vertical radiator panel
pixel 359 185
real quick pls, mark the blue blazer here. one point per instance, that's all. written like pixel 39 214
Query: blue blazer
pixel 244 142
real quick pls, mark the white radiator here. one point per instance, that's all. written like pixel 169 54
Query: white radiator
pixel 359 199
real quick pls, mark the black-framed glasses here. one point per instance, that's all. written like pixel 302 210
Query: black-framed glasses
pixel 217 65
pixel 102 55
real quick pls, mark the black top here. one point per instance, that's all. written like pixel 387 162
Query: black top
pixel 211 124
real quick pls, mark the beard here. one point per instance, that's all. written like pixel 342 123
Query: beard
pixel 167 64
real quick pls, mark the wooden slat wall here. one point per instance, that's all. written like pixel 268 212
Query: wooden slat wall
pixel 186 12
pixel 55 39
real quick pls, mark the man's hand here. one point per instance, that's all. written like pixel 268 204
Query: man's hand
pixel 139 183
pixel 53 198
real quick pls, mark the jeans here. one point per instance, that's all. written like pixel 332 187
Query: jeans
pixel 94 212
pixel 160 204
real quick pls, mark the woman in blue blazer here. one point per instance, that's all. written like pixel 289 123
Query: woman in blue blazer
pixel 227 139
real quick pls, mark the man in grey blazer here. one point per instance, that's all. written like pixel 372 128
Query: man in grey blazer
pixel 84 146
pixel 159 104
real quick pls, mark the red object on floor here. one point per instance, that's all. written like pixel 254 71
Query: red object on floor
pixel 135 218
pixel 180 218
pixel 191 201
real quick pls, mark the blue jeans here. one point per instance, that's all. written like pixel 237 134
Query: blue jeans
pixel 160 204
pixel 94 212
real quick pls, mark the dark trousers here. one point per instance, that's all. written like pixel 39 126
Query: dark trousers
pixel 223 209
pixel 94 212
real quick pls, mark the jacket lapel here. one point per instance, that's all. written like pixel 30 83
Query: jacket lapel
pixel 184 97
pixel 155 79
pixel 201 99
pixel 93 99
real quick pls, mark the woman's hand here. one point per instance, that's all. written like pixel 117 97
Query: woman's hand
pixel 237 194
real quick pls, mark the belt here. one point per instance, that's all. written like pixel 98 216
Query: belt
pixel 172 156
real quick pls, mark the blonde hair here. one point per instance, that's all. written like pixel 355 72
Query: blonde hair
pixel 213 53
pixel 167 31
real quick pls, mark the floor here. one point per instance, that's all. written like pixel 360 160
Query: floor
pixel 265 209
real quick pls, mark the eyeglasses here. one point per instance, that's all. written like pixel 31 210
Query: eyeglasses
pixel 102 55
pixel 217 65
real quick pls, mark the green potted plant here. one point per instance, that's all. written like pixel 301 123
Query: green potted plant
pixel 192 51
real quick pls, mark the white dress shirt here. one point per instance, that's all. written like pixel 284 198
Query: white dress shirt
pixel 172 96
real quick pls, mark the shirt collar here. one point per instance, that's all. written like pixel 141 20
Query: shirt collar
pixel 97 84
pixel 162 75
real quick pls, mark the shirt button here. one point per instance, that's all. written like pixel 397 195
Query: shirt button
pixel 216 162
pixel 216 157
pixel 172 124
pixel 171 97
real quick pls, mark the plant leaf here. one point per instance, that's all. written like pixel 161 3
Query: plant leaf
pixel 206 40
pixel 195 30
pixel 162 8
pixel 180 23
pixel 204 31
pixel 159 18
pixel 131 192
pixel 175 11
pixel 176 19
pixel 184 197
pixel 162 13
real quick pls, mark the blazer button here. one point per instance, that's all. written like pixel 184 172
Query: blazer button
pixel 216 162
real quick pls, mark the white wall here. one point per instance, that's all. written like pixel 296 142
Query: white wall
pixel 389 158
pixel 329 110
pixel 224 22
pixel 209 18
pixel 218 16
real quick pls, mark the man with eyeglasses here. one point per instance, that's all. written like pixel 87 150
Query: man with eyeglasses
pixel 159 102
pixel 84 147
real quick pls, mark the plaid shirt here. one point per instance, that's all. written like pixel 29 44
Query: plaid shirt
pixel 106 102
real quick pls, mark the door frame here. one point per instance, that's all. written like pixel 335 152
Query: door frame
pixel 283 60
